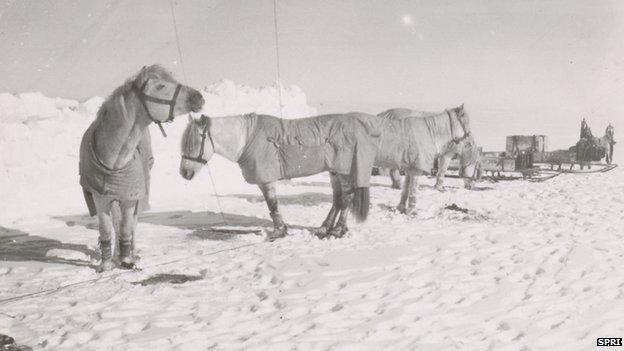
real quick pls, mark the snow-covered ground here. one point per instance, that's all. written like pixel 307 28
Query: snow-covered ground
pixel 530 266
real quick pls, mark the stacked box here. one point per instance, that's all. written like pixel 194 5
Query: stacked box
pixel 526 143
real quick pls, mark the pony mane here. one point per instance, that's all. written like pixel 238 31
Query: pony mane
pixel 438 122
pixel 111 104
pixel 191 139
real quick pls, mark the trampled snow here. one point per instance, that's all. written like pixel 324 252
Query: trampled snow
pixel 529 266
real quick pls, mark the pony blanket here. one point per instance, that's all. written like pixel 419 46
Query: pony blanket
pixel 410 140
pixel 283 149
pixel 128 183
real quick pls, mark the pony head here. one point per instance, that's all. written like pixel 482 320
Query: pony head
pixel 469 162
pixel 464 146
pixel 162 97
pixel 197 147
pixel 609 132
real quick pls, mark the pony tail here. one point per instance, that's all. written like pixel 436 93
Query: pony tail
pixel 361 203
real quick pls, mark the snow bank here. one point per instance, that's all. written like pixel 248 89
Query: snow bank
pixel 40 138
pixel 226 97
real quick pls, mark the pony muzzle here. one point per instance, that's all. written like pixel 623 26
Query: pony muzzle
pixel 195 101
pixel 187 174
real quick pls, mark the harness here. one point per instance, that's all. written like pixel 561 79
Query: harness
pixel 143 97
pixel 205 134
pixel 466 134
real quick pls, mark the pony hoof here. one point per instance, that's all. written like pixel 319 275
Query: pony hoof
pixel 440 188
pixel 105 266
pixel 402 209
pixel 338 232
pixel 320 232
pixel 411 212
pixel 277 234
pixel 127 263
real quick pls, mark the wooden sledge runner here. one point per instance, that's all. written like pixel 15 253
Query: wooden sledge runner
pixel 602 168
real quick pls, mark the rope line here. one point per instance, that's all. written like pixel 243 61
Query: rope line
pixel 177 37
pixel 101 278
pixel 277 61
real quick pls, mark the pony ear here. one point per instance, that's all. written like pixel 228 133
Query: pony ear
pixel 190 118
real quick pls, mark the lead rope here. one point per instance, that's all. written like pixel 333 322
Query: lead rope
pixel 279 81
pixel 214 188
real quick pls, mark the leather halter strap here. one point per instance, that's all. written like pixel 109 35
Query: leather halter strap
pixel 143 97
pixel 466 134
pixel 204 135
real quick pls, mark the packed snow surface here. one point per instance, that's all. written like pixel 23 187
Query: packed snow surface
pixel 527 266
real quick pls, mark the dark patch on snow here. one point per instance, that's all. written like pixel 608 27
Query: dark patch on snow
pixel 168 278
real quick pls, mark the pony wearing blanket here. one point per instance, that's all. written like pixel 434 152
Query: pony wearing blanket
pixel 607 142
pixel 116 156
pixel 395 173
pixel 412 143
pixel 268 149
pixel 430 139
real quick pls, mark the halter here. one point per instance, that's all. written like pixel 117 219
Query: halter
pixel 144 97
pixel 205 134
pixel 459 140
pixel 466 134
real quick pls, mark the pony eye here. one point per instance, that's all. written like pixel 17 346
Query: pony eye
pixel 160 87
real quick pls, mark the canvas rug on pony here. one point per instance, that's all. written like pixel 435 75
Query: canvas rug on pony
pixel 284 149
pixel 128 183
pixel 409 139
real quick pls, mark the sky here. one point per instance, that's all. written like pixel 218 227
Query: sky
pixel 520 67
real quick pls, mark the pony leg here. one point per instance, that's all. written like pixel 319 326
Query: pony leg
pixel 395 176
pixel 279 227
pixel 405 193
pixel 329 221
pixel 443 163
pixel 340 229
pixel 611 147
pixel 106 229
pixel 129 217
pixel 411 199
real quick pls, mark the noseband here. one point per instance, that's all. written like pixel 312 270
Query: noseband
pixel 205 134
pixel 466 134
pixel 143 97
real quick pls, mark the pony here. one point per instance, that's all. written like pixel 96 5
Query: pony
pixel 607 142
pixel 590 148
pixel 412 143
pixel 442 136
pixel 394 173
pixel 269 149
pixel 559 157
pixel 116 156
